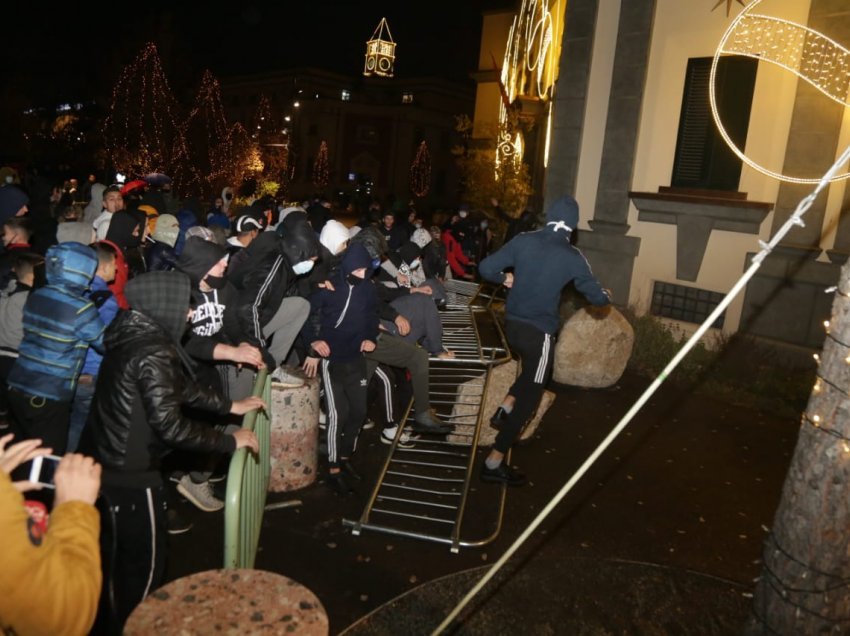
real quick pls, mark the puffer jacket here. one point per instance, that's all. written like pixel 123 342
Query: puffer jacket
pixel 137 412
pixel 59 325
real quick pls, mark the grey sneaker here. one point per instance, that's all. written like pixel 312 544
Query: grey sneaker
pixel 388 436
pixel 201 495
pixel 427 422
pixel 289 377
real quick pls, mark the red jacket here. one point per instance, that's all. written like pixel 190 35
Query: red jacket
pixel 454 254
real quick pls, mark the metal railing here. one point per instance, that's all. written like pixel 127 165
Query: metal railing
pixel 247 485
pixel 423 492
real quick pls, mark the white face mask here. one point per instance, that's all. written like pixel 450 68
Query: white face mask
pixel 414 264
pixel 303 267
pixel 462 214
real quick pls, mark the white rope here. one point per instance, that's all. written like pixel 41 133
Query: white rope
pixel 795 219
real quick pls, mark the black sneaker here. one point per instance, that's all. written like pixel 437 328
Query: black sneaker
pixel 502 474
pixel 498 418
pixel 176 523
pixel 349 470
pixel 338 484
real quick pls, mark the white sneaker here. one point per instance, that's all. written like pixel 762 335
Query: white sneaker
pixel 388 437
pixel 368 424
pixel 288 377
pixel 201 495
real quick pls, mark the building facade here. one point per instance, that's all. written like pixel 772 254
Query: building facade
pixel 670 216
pixel 372 128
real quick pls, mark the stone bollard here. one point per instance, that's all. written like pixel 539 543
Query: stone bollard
pixel 230 602
pixel 501 379
pixel 294 436
pixel 593 352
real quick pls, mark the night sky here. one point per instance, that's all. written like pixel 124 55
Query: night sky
pixel 76 53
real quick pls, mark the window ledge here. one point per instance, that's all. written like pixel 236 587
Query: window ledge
pixel 696 213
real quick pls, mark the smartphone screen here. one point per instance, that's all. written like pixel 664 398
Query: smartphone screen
pixel 43 470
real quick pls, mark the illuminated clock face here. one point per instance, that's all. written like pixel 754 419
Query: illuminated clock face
pixel 384 64
pixel 370 63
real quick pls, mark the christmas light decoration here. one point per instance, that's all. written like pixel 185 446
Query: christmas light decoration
pixel 420 171
pixel 811 56
pixel 143 131
pixel 529 68
pixel 320 166
pixel 209 136
pixel 380 52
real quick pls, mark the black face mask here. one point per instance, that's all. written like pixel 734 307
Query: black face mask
pixel 354 280
pixel 216 282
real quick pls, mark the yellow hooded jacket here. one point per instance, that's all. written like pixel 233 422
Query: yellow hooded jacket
pixel 49 584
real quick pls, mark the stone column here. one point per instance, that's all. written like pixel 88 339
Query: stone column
pixel 610 252
pixel 570 100
pixel 813 136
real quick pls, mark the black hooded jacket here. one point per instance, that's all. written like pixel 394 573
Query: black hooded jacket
pixel 137 415
pixel 266 278
pixel 214 320
pixel 121 228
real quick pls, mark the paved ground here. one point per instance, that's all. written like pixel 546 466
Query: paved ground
pixel 662 536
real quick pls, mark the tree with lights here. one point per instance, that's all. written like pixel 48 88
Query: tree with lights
pixel 484 179
pixel 320 166
pixel 209 136
pixel 420 171
pixel 144 130
pixel 804 587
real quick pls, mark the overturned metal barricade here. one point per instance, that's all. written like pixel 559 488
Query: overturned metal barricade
pixel 423 492
pixel 247 485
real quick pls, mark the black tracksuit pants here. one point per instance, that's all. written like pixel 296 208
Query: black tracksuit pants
pixel 536 352
pixel 133 545
pixel 345 402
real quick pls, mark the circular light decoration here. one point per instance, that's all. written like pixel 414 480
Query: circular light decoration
pixel 811 56
pixel 530 66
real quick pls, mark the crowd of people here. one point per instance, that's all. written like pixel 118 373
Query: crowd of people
pixel 133 325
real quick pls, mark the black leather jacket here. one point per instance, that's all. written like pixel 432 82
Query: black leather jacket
pixel 137 414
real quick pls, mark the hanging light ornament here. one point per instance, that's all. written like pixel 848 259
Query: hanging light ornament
pixel 811 56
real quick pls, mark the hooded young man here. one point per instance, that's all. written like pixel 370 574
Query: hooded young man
pixel 138 416
pixel 59 325
pixel 344 327
pixel 270 310
pixel 215 335
pixel 543 263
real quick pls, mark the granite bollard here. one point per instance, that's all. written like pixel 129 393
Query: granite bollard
pixel 294 436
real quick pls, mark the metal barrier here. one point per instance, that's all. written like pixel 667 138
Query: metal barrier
pixel 247 485
pixel 423 492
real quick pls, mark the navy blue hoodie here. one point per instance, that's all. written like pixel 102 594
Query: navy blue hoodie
pixel 544 262
pixel 347 316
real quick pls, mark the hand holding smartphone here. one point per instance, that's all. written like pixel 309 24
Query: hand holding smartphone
pixel 43 470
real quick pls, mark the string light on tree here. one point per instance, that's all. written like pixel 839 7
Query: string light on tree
pixel 420 171
pixel 143 132
pixel 209 135
pixel 321 167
